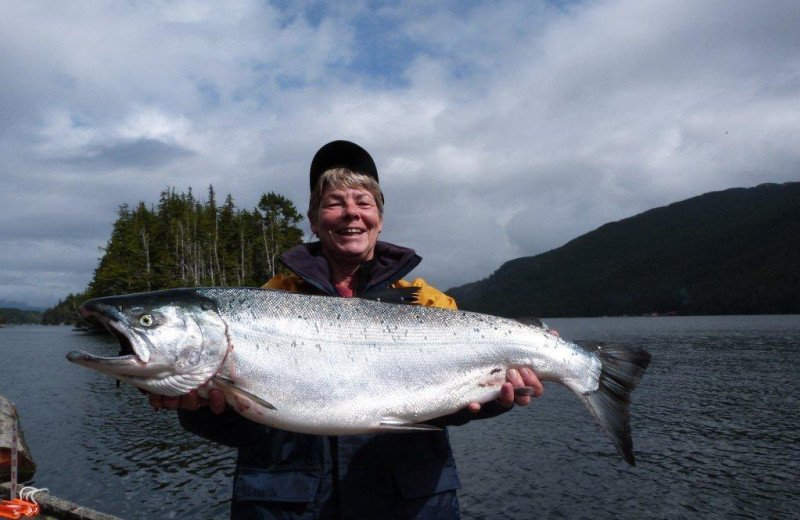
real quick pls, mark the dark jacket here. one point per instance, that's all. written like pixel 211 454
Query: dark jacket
pixel 281 474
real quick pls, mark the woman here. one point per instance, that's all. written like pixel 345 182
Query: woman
pixel 282 474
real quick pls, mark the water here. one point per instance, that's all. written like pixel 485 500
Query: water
pixel 715 425
pixel 102 446
pixel 715 428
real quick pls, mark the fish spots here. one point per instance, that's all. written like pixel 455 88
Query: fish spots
pixel 491 383
pixel 496 378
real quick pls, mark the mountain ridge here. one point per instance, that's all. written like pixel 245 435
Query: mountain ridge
pixel 13 304
pixel 725 252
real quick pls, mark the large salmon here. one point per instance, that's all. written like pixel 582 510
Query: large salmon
pixel 324 365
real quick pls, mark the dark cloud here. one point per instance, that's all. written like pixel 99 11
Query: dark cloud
pixel 137 153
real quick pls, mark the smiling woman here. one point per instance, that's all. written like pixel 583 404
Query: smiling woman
pixel 284 474
pixel 347 219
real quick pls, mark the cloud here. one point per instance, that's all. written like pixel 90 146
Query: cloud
pixel 140 153
pixel 501 129
pixel 41 271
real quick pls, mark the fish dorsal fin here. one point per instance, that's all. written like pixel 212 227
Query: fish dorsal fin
pixel 531 322
pixel 229 385
pixel 400 295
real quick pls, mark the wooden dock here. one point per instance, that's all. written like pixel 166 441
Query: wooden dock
pixel 12 438
pixel 54 508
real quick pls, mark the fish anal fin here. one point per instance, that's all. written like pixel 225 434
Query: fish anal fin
pixel 395 424
pixel 229 385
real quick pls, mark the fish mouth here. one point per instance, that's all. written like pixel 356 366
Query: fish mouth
pixel 125 344
pixel 172 366
pixel 132 362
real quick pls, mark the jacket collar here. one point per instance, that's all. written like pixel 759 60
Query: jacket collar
pixel 389 264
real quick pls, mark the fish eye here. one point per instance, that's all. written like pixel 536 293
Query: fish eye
pixel 146 320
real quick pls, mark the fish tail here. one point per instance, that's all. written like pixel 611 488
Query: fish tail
pixel 622 369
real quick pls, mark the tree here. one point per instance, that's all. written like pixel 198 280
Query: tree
pixel 65 311
pixel 279 232
pixel 185 242
pixel 120 264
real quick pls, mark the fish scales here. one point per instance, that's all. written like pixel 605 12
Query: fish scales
pixel 324 365
pixel 334 359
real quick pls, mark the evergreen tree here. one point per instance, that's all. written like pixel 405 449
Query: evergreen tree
pixel 185 242
pixel 120 265
pixel 279 232
pixel 65 311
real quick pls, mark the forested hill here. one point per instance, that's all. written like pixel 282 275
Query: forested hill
pixel 187 242
pixel 730 252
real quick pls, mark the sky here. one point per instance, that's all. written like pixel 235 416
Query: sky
pixel 500 129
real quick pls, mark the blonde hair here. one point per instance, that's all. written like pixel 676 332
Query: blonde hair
pixel 342 178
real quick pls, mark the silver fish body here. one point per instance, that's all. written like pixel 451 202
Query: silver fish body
pixel 333 366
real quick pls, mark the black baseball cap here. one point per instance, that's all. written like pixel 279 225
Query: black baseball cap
pixel 342 154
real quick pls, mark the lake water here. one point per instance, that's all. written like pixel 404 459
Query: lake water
pixel 716 428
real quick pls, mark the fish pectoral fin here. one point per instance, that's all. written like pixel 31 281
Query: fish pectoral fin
pixel 396 424
pixel 230 386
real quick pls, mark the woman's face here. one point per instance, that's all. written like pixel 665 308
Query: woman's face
pixel 348 224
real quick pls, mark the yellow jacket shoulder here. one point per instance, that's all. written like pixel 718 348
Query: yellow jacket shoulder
pixel 428 295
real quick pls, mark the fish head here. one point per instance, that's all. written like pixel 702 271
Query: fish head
pixel 171 341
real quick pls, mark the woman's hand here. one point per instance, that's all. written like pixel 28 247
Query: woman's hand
pixel 524 377
pixel 190 401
